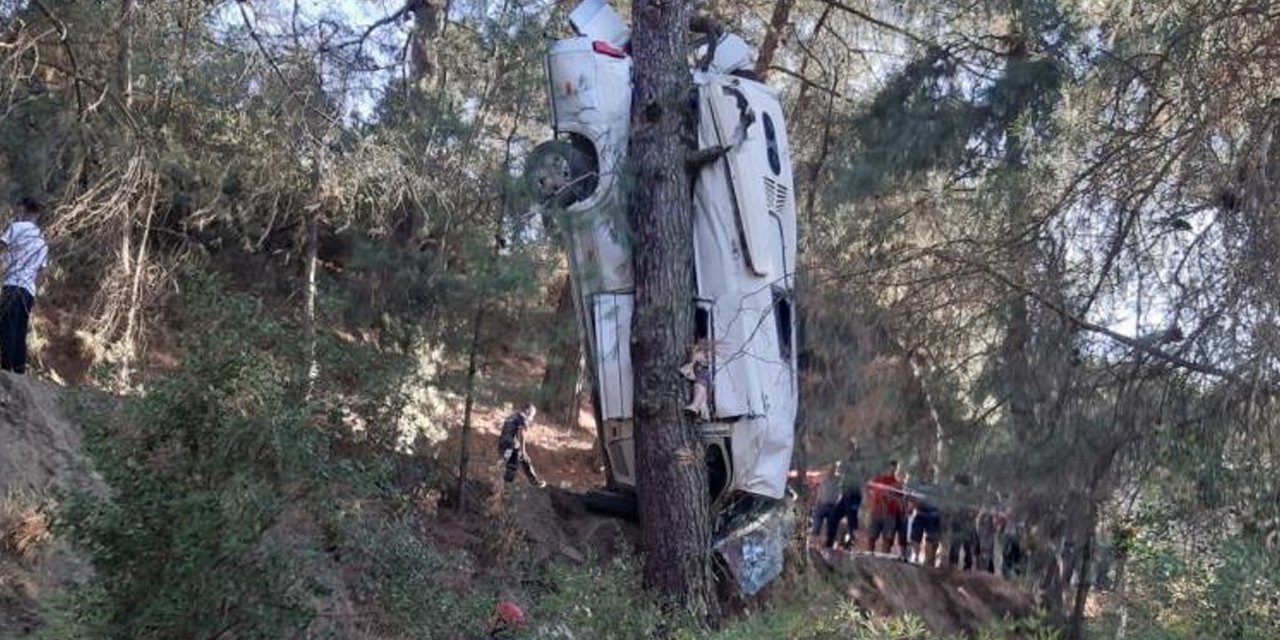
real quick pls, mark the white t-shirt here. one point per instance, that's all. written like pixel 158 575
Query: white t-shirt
pixel 24 255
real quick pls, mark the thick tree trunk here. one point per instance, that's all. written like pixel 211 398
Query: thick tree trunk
pixel 675 526
pixel 558 394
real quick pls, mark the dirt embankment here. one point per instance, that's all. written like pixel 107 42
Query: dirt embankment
pixel 950 602
pixel 41 458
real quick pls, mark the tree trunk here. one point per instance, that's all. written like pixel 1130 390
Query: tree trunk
pixel 675 525
pixel 777 24
pixel 558 394
pixel 135 295
pixel 464 454
pixel 473 351
pixel 1085 580
pixel 124 53
pixel 1121 596
pixel 426 18
pixel 933 435
pixel 311 257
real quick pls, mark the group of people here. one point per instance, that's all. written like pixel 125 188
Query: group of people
pixel 916 522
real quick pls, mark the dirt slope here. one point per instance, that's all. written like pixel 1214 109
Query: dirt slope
pixel 950 602
pixel 40 459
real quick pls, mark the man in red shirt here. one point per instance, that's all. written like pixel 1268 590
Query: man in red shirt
pixel 885 499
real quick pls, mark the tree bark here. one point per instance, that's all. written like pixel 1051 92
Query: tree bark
pixel 426 18
pixel 1085 581
pixel 777 24
pixel 135 295
pixel 124 53
pixel 558 394
pixel 675 525
pixel 473 351
pixel 464 453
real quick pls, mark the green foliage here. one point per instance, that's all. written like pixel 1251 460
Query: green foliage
pixel 202 468
pixel 918 122
pixel 603 602
pixel 1229 589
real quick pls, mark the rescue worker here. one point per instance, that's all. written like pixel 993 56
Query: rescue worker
pixel 926 529
pixel 511 446
pixel 826 510
pixel 962 527
pixel 902 525
pixel 850 504
pixel 988 533
pixel 883 494
pixel 1014 559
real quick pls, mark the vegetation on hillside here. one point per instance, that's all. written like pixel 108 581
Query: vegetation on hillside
pixel 1039 246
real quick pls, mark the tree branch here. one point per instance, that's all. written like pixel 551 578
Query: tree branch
pixel 1133 343
pixel 877 22
pixel 71 54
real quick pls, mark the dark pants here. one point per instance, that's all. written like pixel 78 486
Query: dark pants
pixel 15 316
pixel 901 529
pixel 963 540
pixel 882 527
pixel 828 514
pixel 1013 559
pixel 517 459
pixel 851 516
pixel 926 528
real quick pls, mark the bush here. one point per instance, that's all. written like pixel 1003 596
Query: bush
pixel 202 466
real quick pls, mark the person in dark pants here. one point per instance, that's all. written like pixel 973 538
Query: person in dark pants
pixel 962 527
pixel 827 510
pixel 850 504
pixel 24 254
pixel 884 492
pixel 926 528
pixel 511 446
pixel 903 523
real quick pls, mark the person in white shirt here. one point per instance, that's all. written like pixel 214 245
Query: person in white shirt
pixel 23 253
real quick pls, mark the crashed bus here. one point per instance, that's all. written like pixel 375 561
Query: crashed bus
pixel 744 250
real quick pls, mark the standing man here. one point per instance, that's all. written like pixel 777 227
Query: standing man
pixel 827 511
pixel 511 446
pixel 962 526
pixel 884 495
pixel 25 253
pixel 850 503
pixel 926 528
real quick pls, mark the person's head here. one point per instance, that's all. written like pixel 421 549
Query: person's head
pixel 892 467
pixel 27 208
pixel 530 412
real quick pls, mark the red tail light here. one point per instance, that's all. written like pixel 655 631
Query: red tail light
pixel 604 48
